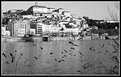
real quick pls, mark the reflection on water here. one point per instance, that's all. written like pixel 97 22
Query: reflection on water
pixel 59 57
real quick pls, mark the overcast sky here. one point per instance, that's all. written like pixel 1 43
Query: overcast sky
pixel 92 9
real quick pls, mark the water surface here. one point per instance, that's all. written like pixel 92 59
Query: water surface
pixel 60 57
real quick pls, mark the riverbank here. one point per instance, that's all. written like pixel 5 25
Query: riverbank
pixel 8 38
pixel 18 39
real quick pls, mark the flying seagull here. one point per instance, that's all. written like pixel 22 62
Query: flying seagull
pixel 41 48
pixel 72 43
pixel 65 50
pixel 81 54
pixel 4 55
pixel 13 58
pixel 36 57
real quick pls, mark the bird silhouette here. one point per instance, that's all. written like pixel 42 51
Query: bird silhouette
pixel 81 54
pixel 51 53
pixel 41 48
pixel 7 62
pixel 15 50
pixel 92 48
pixel 73 36
pixel 65 55
pixel 4 55
pixel 115 58
pixel 115 51
pixel 75 45
pixel 72 48
pixel 11 55
pixel 115 67
pixel 61 61
pixel 72 43
pixel 61 52
pixel 21 54
pixel 86 66
pixel 36 57
pixel 13 58
pixel 102 46
pixel 116 42
pixel 66 51
pixel 62 56
pixel 34 44
pixel 29 65
pixel 78 71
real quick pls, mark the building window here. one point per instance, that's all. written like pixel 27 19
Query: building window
pixel 33 26
pixel 22 26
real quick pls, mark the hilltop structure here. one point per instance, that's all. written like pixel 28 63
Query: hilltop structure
pixel 40 20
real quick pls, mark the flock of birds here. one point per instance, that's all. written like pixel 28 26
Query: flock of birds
pixel 115 58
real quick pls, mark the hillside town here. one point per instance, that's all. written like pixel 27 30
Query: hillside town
pixel 47 41
pixel 41 20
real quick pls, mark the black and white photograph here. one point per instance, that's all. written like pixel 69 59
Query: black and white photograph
pixel 64 38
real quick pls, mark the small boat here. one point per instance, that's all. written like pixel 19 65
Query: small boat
pixel 46 38
pixel 28 38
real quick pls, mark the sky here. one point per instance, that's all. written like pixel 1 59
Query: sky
pixel 91 9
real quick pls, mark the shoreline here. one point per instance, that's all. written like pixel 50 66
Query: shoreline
pixel 18 39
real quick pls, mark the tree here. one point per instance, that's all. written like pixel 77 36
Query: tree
pixel 5 20
pixel 114 16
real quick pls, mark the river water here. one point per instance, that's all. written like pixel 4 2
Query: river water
pixel 99 57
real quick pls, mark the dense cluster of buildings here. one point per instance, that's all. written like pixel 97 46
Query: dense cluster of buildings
pixel 38 20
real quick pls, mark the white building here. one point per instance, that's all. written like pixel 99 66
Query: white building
pixel 55 29
pixel 112 21
pixel 46 28
pixel 38 9
pixel 4 32
pixel 48 15
pixel 72 30
pixel 59 11
pixel 62 24
pixel 51 9
pixel 27 16
pixel 32 31
pixel 18 28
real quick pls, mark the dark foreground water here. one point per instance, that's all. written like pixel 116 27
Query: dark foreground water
pixel 93 57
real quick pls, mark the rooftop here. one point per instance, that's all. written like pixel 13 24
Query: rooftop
pixel 38 6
